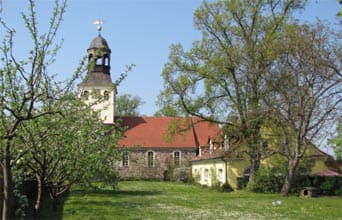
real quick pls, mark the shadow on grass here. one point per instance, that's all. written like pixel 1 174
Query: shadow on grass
pixel 116 192
pixel 50 212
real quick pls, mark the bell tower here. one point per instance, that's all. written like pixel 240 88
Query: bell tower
pixel 97 89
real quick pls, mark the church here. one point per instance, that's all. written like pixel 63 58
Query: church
pixel 147 151
pixel 150 151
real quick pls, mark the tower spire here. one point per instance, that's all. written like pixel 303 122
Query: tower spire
pixel 99 25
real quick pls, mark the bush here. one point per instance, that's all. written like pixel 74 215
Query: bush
pixel 226 188
pixel 329 185
pixel 242 182
pixel 267 180
pixel 182 174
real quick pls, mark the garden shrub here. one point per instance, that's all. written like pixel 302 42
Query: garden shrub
pixel 226 188
pixel 242 182
pixel 182 174
pixel 267 180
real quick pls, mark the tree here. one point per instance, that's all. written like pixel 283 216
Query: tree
pixel 220 78
pixel 127 105
pixel 67 148
pixel 305 89
pixel 24 85
pixel 168 106
pixel 336 142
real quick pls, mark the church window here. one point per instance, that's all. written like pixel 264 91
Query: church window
pixel 98 61
pixel 106 95
pixel 176 158
pixel 85 95
pixel 150 159
pixel 125 159
pixel 106 61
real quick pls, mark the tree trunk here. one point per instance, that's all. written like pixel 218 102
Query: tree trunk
pixel 255 163
pixel 39 198
pixel 7 183
pixel 292 165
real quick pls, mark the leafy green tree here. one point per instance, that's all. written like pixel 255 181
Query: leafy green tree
pixel 24 85
pixel 305 90
pixel 220 78
pixel 29 95
pixel 336 142
pixel 168 105
pixel 127 105
pixel 67 148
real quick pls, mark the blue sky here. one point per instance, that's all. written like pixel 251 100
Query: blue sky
pixel 138 32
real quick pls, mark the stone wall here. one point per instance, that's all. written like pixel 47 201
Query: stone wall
pixel 163 161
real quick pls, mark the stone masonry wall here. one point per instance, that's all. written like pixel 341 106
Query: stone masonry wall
pixel 163 159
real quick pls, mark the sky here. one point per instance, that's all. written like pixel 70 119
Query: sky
pixel 138 32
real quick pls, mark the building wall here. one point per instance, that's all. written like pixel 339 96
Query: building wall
pixel 236 169
pixel 163 161
pixel 209 173
pixel 213 172
pixel 105 107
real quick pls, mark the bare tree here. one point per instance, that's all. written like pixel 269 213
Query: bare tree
pixel 305 89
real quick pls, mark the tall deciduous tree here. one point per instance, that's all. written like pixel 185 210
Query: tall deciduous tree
pixel 305 89
pixel 67 148
pixel 220 78
pixel 336 142
pixel 24 85
pixel 127 105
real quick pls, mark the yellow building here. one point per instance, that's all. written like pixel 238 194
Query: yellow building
pixel 227 163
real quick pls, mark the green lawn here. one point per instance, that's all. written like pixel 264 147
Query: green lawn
pixel 166 200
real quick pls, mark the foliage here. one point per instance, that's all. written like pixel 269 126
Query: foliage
pixel 304 89
pixel 336 142
pixel 270 179
pixel 226 188
pixel 25 85
pixel 127 105
pixel 169 200
pixel 220 78
pixel 43 132
pixel 71 147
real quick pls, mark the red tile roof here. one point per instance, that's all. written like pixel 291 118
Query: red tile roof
pixel 151 132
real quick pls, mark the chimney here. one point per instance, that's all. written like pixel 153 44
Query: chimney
pixel 226 143
pixel 211 147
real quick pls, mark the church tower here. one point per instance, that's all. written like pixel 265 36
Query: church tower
pixel 97 89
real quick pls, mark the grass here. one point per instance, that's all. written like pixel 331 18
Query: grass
pixel 167 200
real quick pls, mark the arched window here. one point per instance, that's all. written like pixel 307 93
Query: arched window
pixel 150 159
pixel 106 61
pixel 125 159
pixel 85 95
pixel 177 158
pixel 106 95
pixel 98 61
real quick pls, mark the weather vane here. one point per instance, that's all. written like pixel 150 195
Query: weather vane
pixel 99 25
